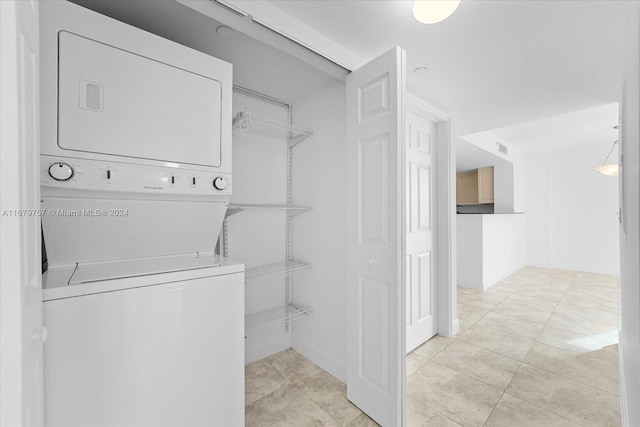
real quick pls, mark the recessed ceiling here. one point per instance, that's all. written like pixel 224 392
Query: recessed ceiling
pixel 492 63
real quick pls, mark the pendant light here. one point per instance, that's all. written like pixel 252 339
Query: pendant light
pixel 609 169
pixel 434 11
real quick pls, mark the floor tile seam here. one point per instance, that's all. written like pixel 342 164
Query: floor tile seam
pixel 286 381
pixel 541 408
pixel 516 318
pixel 577 355
pixel 479 379
pixel 579 287
pixel 435 410
pixel 598 309
pixel 479 348
pixel 569 330
pixel 497 303
pixel 516 373
pixel 300 389
pixel 552 312
pixel 493 409
pixel 591 385
pixel 508 333
pixel 503 332
pixel 269 394
pixel 588 312
pixel 584 309
pixel 540 311
pixel 569 378
pixel 475 308
pixel 469 376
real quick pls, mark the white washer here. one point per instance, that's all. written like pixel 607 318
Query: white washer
pixel 163 349
pixel 145 324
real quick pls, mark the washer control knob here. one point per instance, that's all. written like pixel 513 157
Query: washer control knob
pixel 219 183
pixel 61 171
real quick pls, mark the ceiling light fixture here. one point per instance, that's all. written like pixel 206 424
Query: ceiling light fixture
pixel 609 169
pixel 224 31
pixel 434 11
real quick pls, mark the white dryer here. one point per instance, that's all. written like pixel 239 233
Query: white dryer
pixel 145 323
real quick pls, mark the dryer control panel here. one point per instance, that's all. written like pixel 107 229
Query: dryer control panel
pixel 83 174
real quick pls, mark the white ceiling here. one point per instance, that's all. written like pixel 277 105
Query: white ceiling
pixel 470 156
pixel 581 128
pixel 492 63
pixel 591 126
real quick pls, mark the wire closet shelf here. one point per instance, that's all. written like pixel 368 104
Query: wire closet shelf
pixel 287 267
pixel 289 208
pixel 284 313
pixel 246 121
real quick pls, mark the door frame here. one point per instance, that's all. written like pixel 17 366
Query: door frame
pixel 21 330
pixel 445 231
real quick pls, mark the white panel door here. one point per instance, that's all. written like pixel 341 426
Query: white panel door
pixel 21 331
pixel 420 137
pixel 375 204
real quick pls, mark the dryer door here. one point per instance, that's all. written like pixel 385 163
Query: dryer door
pixel 115 102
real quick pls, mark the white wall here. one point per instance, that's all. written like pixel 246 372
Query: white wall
pixel 319 236
pixel 502 248
pixel 503 186
pixel 571 210
pixel 469 251
pixel 630 233
pixel 538 206
pixel 489 248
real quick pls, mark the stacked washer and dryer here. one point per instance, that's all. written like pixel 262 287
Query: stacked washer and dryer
pixel 145 322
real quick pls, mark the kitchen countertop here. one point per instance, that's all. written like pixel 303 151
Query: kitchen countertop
pixel 496 213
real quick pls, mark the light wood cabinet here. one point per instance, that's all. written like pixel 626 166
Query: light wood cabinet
pixel 475 187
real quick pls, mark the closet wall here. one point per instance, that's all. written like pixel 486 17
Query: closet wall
pixel 259 237
pixel 260 173
pixel 319 181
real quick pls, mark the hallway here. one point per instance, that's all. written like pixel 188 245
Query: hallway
pixel 537 349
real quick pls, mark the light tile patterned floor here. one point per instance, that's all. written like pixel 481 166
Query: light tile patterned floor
pixel 537 349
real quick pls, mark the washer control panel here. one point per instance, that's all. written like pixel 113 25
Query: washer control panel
pixel 61 171
pixel 220 183
pixel 108 176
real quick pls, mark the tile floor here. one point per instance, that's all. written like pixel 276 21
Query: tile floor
pixel 537 349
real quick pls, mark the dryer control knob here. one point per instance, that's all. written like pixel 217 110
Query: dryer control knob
pixel 61 171
pixel 219 183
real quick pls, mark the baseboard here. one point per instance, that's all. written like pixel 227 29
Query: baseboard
pixel 588 269
pixel 470 283
pixel 623 391
pixel 455 327
pixel 495 279
pixel 265 350
pixel 540 264
pixel 327 363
